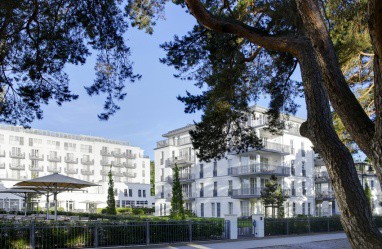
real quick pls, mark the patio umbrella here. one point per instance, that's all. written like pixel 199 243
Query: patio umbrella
pixel 55 183
pixel 21 193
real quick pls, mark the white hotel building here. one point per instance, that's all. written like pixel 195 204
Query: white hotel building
pixel 233 185
pixel 31 153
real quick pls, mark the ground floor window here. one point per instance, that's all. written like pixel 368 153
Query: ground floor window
pixel 202 209
pixel 244 207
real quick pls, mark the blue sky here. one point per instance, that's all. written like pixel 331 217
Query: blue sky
pixel 150 108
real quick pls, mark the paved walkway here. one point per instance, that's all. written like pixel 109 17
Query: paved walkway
pixel 274 242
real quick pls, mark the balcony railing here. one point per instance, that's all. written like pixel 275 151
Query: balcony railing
pixel 259 169
pixel 54 158
pixel 130 156
pixel 85 161
pixel 324 195
pixel 118 154
pixel 321 176
pixel 19 155
pixel 105 153
pixel 71 171
pixel 186 177
pixel 130 175
pixel 180 161
pixel 106 172
pixel 187 196
pixel 271 146
pixel 71 160
pixel 2 153
pixel 253 193
pixel 117 164
pixel 2 165
pixel 36 157
pixel 165 143
pixel 118 173
pixel 87 172
pixel 53 169
pixel 183 141
pixel 17 166
pixel 36 168
pixel 104 163
pixel 130 165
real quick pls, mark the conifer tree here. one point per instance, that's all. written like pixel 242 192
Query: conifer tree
pixel 110 209
pixel 272 196
pixel 177 209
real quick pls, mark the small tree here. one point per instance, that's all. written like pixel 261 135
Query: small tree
pixel 177 209
pixel 272 196
pixel 368 193
pixel 152 177
pixel 110 209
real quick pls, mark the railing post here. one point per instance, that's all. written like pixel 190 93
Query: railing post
pixel 32 235
pixel 287 226
pixel 328 224
pixel 190 229
pixel 96 234
pixel 147 232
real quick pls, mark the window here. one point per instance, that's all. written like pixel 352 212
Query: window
pixel 1 141
pixel 293 189
pixel 303 208
pixel 218 209
pixel 201 209
pixel 15 140
pixel 87 148
pixel 309 207
pixel 130 192
pixel 202 190
pixel 215 192
pixel 291 147
pixel 303 188
pixel 302 149
pixel 293 169
pixel 35 142
pixel 53 144
pixel 125 192
pixel 215 171
pixel 162 158
pixel 303 171
pixel 201 173
pixel 229 187
pixel 115 192
pixel 70 146
pixel 139 193
pixel 143 164
pixel 213 209
pixel 162 175
pixel 230 207
pixel 165 209
pixel 244 206
pixel 143 173
pixel 294 208
pixel 372 184
pixel 287 209
pixel 144 193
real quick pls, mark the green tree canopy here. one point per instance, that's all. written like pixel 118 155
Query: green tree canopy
pixel 177 208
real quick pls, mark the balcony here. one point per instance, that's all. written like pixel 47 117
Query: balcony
pixel 17 166
pixel 18 155
pixel 106 172
pixel 2 153
pixel 130 175
pixel 36 168
pixel 186 178
pixel 259 169
pixel 87 172
pixel 130 165
pixel 118 154
pixel 118 173
pixel 85 161
pixel 130 156
pixel 36 157
pixel 117 164
pixel 56 159
pixel 104 163
pixel 105 153
pixel 244 193
pixel 71 171
pixel 184 141
pixel 269 147
pixel 187 196
pixel 321 177
pixel 180 161
pixel 71 160
pixel 54 169
pixel 165 143
pixel 324 195
pixel 2 165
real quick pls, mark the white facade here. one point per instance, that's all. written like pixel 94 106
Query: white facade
pixel 30 153
pixel 233 185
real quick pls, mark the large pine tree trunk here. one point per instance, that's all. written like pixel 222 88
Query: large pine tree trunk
pixel 356 214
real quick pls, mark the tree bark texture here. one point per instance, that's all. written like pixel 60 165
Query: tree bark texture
pixel 356 213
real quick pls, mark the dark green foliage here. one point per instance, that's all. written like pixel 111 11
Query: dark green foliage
pixel 368 193
pixel 177 208
pixel 231 82
pixel 110 209
pixel 152 178
pixel 38 39
pixel 273 197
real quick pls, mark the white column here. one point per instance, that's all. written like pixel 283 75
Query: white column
pixel 258 223
pixel 232 218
